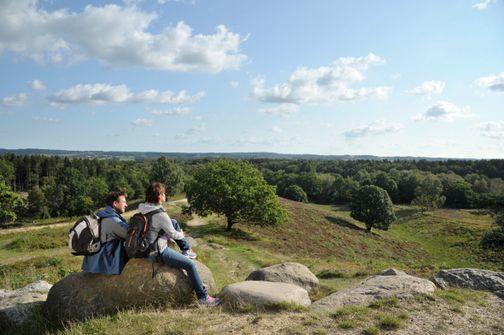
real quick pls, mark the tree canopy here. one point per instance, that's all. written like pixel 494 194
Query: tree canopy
pixel 372 205
pixel 235 189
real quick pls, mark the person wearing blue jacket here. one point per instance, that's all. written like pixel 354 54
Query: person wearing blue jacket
pixel 112 256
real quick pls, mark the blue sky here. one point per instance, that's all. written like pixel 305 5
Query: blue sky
pixel 388 78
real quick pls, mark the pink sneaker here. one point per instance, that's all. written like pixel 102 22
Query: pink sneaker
pixel 189 254
pixel 209 301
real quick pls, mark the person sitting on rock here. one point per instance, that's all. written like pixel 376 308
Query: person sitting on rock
pixel 112 256
pixel 160 226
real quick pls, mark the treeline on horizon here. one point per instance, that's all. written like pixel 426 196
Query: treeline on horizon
pixel 52 186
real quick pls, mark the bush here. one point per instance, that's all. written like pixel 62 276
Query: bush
pixel 296 193
pixel 493 239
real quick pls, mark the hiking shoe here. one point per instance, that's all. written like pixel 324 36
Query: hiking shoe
pixel 189 254
pixel 209 301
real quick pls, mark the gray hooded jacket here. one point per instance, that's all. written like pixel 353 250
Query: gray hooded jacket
pixel 160 226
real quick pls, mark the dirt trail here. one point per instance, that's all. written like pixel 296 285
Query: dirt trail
pixel 196 221
pixel 22 229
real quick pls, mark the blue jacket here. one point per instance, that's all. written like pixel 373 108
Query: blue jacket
pixel 112 257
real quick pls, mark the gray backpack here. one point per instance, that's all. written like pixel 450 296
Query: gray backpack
pixel 84 236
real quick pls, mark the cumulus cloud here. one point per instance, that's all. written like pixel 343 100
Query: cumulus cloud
pixel 492 82
pixel 117 36
pixel 105 93
pixel 444 111
pixel 15 100
pixel 492 129
pixel 172 112
pixel 378 127
pixel 234 84
pixel 37 85
pixel 325 84
pixel 280 110
pixel 483 4
pixel 142 123
pixel 429 88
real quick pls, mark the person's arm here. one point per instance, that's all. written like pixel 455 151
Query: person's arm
pixel 120 229
pixel 167 227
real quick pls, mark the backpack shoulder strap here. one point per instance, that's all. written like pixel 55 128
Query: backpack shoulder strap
pixel 154 212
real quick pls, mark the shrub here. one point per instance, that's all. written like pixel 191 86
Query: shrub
pixel 296 193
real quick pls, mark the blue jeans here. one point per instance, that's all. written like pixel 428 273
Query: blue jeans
pixel 176 260
pixel 182 244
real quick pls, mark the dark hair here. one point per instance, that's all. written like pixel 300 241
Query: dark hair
pixel 153 192
pixel 114 196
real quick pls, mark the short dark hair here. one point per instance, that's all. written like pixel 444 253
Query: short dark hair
pixel 114 196
pixel 153 192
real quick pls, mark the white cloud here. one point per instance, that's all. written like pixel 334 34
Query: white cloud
pixel 483 4
pixel 172 112
pixel 142 123
pixel 492 82
pixel 15 100
pixel 276 129
pixel 444 111
pixel 395 76
pixel 191 132
pixel 281 110
pixel 378 127
pixel 116 36
pixel 234 84
pixel 37 85
pixel 429 88
pixel 325 84
pixel 492 129
pixel 105 93
pixel 46 119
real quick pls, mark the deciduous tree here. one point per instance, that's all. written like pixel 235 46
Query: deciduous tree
pixel 235 189
pixel 372 205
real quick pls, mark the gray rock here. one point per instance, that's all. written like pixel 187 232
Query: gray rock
pixel 17 306
pixel 293 273
pixel 83 295
pixel 262 293
pixel 377 287
pixel 392 272
pixel 475 279
pixel 192 242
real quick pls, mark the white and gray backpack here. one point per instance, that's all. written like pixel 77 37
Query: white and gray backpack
pixel 84 236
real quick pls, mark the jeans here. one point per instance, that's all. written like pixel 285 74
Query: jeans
pixel 182 244
pixel 176 260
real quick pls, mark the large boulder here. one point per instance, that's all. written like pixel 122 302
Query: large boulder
pixel 17 306
pixel 475 279
pixel 390 283
pixel 260 294
pixel 83 295
pixel 293 273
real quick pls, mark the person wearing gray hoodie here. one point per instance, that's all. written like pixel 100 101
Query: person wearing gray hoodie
pixel 160 230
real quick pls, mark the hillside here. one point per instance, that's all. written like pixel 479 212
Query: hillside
pixel 335 247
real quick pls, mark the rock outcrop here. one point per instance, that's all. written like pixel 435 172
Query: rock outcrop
pixel 390 283
pixel 83 295
pixel 293 273
pixel 17 306
pixel 260 294
pixel 476 279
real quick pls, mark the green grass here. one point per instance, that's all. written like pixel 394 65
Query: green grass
pixel 389 322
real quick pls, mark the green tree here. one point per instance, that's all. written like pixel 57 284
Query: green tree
pixel 8 202
pixel 383 180
pixel 235 189
pixel 170 174
pixel 296 193
pixel 372 205
pixel 37 204
pixel 428 194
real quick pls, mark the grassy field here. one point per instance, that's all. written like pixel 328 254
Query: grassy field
pixel 334 246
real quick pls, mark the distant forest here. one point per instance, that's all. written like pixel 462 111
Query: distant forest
pixel 49 186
